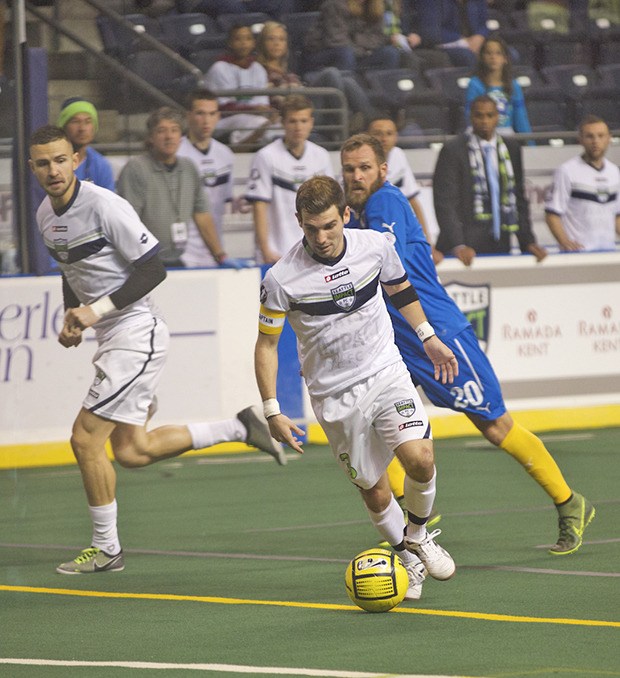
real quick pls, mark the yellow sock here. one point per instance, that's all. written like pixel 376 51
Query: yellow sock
pixel 531 453
pixel 396 478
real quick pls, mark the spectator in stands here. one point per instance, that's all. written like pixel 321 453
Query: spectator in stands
pixel 399 25
pixel 252 115
pixel 349 35
pixel 478 191
pixel 493 76
pixel 80 121
pixel 456 26
pixel 272 52
pixel 214 162
pixel 559 16
pixel 166 191
pixel 274 8
pixel 399 171
pixel 277 171
pixel 583 209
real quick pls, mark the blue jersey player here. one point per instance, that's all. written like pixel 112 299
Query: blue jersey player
pixel 476 390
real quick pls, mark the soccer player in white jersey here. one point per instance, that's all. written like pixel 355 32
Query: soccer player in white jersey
pixel 109 264
pixel 214 162
pixel 583 210
pixel 277 171
pixel 329 286
pixel 399 172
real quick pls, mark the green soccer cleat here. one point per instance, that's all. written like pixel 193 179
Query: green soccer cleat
pixel 91 560
pixel 575 516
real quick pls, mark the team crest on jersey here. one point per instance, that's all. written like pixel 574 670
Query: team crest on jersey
pixel 475 303
pixel 344 296
pixel 406 408
pixel 336 275
pixel 61 245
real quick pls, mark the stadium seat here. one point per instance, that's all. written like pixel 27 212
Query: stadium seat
pixel 557 49
pixel 575 80
pixel 118 40
pixel 406 93
pixel 547 112
pixel 161 72
pixel 256 20
pixel 451 82
pixel 188 33
pixel 205 58
pixel 608 52
pixel 528 78
pixel 602 103
pixel 610 75
pixel 498 21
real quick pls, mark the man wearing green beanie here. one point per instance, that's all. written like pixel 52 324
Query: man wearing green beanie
pixel 80 121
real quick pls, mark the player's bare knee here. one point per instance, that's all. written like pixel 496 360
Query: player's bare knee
pixel 377 498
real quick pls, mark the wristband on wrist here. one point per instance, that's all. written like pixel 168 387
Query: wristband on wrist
pixel 102 307
pixel 271 408
pixel 425 331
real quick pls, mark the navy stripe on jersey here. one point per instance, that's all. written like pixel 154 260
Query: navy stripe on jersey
pixel 594 197
pixel 139 374
pixel 219 180
pixel 286 185
pixel 80 252
pixel 330 307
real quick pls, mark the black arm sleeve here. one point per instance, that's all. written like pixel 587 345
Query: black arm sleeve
pixel 145 277
pixel 69 297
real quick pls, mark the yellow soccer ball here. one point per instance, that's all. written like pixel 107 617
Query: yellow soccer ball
pixel 376 580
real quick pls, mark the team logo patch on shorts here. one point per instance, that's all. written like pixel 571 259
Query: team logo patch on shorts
pixel 406 408
pixel 99 377
pixel 344 296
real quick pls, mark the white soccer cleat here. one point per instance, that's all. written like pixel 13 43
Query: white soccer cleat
pixel 417 574
pixel 437 560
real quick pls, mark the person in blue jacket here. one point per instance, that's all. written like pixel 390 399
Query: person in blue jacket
pixel 493 76
pixel 79 119
pixel 475 391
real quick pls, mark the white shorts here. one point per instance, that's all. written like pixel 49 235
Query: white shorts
pixel 128 366
pixel 366 423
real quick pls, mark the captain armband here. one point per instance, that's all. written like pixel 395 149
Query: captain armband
pixel 269 321
pixel 404 297
pixel 424 331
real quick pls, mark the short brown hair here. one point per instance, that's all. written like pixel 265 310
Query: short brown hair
pixel 47 134
pixel 164 113
pixel 293 103
pixel 359 140
pixel 318 194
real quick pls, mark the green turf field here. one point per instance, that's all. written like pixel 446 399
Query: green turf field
pixel 235 567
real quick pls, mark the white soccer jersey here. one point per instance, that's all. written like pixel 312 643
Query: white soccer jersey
pixel 400 174
pixel 336 310
pixel 588 201
pixel 95 239
pixel 215 167
pixel 275 176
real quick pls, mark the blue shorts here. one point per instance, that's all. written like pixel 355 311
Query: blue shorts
pixel 475 391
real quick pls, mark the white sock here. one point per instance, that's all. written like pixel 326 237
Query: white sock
pixel 105 532
pixel 419 500
pixel 390 522
pixel 213 432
